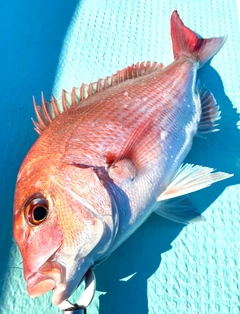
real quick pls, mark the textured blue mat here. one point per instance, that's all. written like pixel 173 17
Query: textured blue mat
pixel 164 267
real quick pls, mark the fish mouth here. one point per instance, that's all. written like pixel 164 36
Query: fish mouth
pixel 45 279
pixel 55 276
pixel 39 284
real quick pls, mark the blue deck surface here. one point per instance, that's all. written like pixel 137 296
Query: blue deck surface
pixel 164 267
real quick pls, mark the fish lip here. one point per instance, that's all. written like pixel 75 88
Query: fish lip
pixel 53 275
pixel 43 280
pixel 38 284
pixel 50 274
pixel 28 274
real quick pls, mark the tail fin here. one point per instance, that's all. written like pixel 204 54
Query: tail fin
pixel 186 42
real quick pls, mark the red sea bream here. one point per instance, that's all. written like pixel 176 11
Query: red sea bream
pixel 110 154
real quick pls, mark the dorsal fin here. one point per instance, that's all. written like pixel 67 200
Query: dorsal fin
pixel 48 110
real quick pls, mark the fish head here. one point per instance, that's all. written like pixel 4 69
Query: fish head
pixel 62 224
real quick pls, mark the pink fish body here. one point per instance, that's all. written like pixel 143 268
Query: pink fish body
pixel 108 155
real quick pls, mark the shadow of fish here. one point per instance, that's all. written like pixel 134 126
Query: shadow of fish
pixel 109 154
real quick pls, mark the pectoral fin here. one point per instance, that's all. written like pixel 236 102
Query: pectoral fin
pixel 191 178
pixel 179 209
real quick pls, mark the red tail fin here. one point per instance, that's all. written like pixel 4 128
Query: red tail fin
pixel 186 42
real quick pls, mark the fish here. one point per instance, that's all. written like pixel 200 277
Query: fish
pixel 110 154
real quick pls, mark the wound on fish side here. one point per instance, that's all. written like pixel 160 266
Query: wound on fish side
pixel 122 170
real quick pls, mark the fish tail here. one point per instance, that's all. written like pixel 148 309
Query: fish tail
pixel 186 42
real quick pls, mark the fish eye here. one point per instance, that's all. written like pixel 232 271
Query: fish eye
pixel 36 210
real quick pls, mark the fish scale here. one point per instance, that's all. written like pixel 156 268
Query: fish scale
pixel 107 108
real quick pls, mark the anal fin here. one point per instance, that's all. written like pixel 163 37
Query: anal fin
pixel 191 178
pixel 179 209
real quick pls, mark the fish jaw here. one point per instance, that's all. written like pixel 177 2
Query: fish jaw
pixel 72 275
pixel 38 284
pixel 62 277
